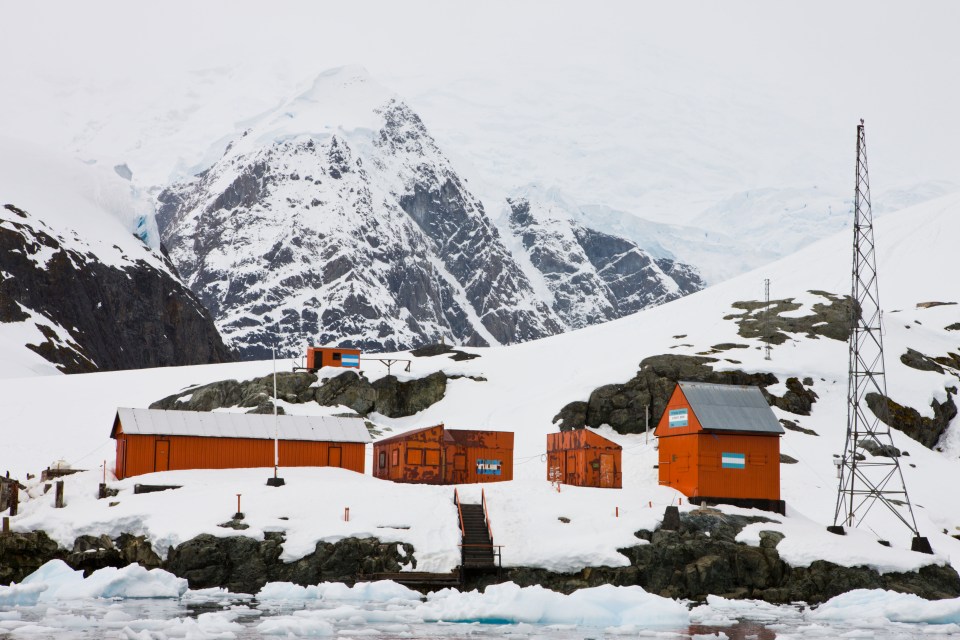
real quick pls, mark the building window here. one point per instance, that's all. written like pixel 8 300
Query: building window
pixel 336 356
pixel 383 459
pixel 414 456
pixel 432 458
pixel 395 457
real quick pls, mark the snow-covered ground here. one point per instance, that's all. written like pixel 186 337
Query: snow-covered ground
pixel 70 417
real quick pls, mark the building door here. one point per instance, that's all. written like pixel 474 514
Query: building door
pixel 161 457
pixel 606 470
pixel 335 457
pixel 572 469
pixel 459 468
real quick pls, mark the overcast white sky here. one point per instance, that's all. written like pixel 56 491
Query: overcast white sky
pixel 734 95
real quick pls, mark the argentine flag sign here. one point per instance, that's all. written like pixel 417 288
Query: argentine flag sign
pixel 733 460
pixel 678 418
pixel 488 467
pixel 350 360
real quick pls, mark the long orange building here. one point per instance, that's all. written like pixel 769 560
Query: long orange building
pixel 151 440
pixel 721 443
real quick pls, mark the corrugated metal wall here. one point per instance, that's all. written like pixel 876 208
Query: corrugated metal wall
pixel 139 454
pixel 584 459
pixel 436 456
pixel 693 464
pixel 324 357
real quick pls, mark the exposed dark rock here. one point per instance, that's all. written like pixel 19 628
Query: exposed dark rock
pixel 926 431
pixel 875 448
pixel 573 416
pixel 386 395
pixel 917 360
pixel 117 318
pixel 785 459
pixel 829 319
pixel 622 406
pixel 703 558
pixel 23 553
pixel 793 426
pixel 953 327
pixel 440 349
pixel 244 564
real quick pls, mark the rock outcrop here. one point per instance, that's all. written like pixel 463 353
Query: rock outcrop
pixel 387 395
pixel 623 406
pixel 701 557
pixel 926 431
pixel 98 316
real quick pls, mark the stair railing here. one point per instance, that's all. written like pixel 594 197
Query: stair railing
pixel 463 533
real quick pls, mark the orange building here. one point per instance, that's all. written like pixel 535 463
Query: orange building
pixel 721 444
pixel 437 455
pixel 584 459
pixel 151 440
pixel 318 357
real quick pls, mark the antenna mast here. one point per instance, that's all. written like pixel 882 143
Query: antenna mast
pixel 877 479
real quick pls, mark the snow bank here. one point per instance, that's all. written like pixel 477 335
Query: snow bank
pixel 878 604
pixel 379 591
pixel 604 606
pixel 57 581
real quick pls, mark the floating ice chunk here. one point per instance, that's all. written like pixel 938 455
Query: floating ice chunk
pixel 718 609
pixel 23 595
pixel 60 582
pixel 878 604
pixel 295 627
pixel 604 606
pixel 380 591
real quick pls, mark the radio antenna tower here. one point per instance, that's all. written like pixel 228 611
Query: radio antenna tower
pixel 877 479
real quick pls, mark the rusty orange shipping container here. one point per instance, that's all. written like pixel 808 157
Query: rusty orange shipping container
pixel 437 455
pixel 151 440
pixel 318 357
pixel 721 443
pixel 584 459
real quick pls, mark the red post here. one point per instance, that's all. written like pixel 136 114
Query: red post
pixel 238 503
pixel 650 504
pixel 346 514
pixel 104 472
pixel 616 513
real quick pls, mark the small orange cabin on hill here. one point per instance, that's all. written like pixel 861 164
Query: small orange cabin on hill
pixel 437 455
pixel 584 459
pixel 318 357
pixel 721 444
pixel 151 440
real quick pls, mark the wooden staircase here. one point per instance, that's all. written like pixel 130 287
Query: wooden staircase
pixel 477 551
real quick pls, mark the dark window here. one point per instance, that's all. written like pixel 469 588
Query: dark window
pixel 336 356
pixel 383 459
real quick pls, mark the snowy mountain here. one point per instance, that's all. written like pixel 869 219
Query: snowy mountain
pixel 337 218
pixel 592 276
pixel 81 288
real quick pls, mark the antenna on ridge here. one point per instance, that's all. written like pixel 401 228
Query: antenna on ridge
pixel 879 479
pixel 766 318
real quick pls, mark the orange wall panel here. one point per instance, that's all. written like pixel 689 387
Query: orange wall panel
pixel 677 401
pixel 136 454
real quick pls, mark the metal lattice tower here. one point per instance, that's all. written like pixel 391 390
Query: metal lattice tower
pixel 874 479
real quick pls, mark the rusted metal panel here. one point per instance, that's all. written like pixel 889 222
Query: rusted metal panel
pixel 436 455
pixel 585 459
pixel 318 357
pixel 139 454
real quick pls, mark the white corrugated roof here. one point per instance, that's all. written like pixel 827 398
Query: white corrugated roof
pixel 242 425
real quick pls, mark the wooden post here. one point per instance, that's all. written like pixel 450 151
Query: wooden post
pixel 6 525
pixel 346 514
pixel 14 499
pixel 58 502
